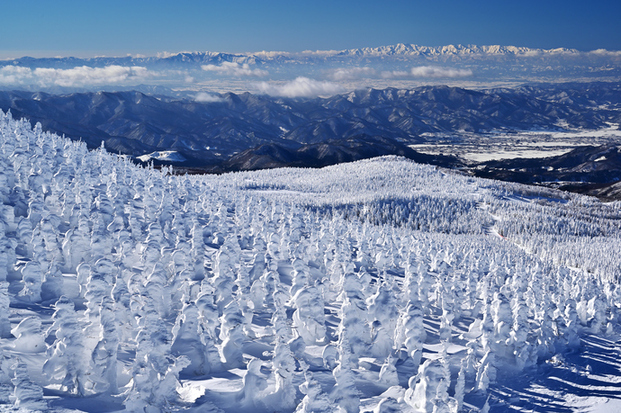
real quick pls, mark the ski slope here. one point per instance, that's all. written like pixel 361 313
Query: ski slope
pixel 380 285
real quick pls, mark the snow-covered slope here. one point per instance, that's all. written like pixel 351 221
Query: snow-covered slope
pixel 401 49
pixel 380 285
pixel 166 156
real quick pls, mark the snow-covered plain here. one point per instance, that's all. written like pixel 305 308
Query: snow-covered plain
pixel 380 285
pixel 482 147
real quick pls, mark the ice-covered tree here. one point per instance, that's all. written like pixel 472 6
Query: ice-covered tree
pixel 254 385
pixel 354 317
pixel 52 285
pixel 388 376
pixel 315 400
pixel 66 361
pixel 309 317
pixel 28 395
pixel 191 340
pixel 32 277
pixel 232 336
pixel 345 392
pixel 425 387
pixel 104 355
pixel 5 301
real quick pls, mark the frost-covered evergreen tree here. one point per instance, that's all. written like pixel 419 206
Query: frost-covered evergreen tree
pixel 67 362
pixel 315 400
pixel 28 395
pixel 427 390
pixel 52 285
pixel 354 322
pixel 309 318
pixel 345 393
pixel 5 323
pixel 255 384
pixel 232 336
pixel 32 276
pixel 190 339
pixel 411 330
pixel 388 373
pixel 225 272
pixel 155 372
pixel 104 355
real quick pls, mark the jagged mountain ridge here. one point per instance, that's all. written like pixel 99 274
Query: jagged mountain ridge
pixel 187 58
pixel 134 123
pixel 210 57
pixel 417 50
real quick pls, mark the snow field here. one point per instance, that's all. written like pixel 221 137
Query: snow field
pixel 371 286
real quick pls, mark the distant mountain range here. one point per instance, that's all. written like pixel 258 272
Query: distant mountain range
pixel 403 66
pixel 400 49
pixel 208 133
pixel 417 50
pixel 246 131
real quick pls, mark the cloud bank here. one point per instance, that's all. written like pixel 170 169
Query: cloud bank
pixel 14 75
pixel 604 52
pixel 300 87
pixel 204 97
pixel 348 73
pixel 427 71
pixel 234 69
pixel 77 76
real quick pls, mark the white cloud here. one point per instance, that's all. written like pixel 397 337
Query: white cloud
pixel 270 55
pixel 347 73
pixel 14 75
pixel 77 76
pixel 430 71
pixel 164 55
pixel 300 87
pixel 395 74
pixel 325 53
pixel 234 69
pixel 427 71
pixel 204 97
pixel 89 75
pixel 604 52
pixel 531 53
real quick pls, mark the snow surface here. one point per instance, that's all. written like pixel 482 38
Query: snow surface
pixel 168 156
pixel 482 147
pixel 380 285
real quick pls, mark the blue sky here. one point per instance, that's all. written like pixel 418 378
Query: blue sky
pixel 112 27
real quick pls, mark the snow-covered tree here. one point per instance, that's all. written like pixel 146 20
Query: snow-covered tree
pixel 28 395
pixel 232 336
pixel 104 356
pixel 67 362
pixel 315 400
pixel 345 393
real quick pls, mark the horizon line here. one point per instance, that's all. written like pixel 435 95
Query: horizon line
pixel 42 54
